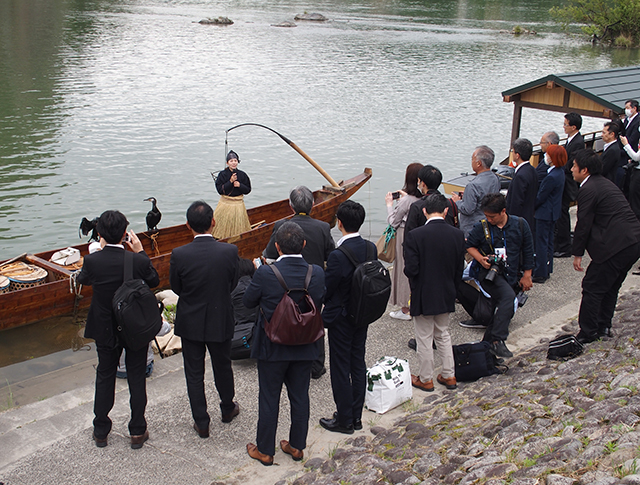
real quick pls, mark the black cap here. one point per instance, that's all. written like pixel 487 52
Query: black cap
pixel 231 155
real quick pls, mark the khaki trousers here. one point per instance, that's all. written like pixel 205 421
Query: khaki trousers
pixel 427 329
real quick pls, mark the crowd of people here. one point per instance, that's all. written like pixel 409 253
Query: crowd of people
pixel 478 248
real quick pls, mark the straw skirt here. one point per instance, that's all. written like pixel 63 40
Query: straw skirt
pixel 230 217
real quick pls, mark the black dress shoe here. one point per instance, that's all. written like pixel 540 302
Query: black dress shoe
pixel 227 418
pixel 334 426
pixel 560 254
pixel 586 339
pixel 319 374
pixel 539 279
pixel 605 332
pixel 357 423
pixel 499 349
pixel 203 433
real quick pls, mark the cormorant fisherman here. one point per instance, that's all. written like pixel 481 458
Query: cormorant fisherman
pixel 231 214
pixel 153 216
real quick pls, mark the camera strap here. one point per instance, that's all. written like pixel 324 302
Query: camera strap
pixel 487 235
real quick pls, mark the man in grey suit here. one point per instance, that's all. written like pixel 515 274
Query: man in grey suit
pixel 203 274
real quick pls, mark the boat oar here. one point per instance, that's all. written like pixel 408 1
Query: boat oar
pixel 292 145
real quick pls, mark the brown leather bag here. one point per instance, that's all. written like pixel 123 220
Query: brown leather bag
pixel 290 326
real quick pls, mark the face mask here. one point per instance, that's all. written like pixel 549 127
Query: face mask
pixel 628 112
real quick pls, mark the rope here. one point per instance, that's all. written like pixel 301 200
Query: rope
pixel 154 242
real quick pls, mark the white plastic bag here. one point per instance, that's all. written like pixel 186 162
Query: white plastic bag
pixel 388 384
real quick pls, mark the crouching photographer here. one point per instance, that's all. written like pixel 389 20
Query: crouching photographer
pixel 502 248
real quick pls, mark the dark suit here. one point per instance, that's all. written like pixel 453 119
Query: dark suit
pixel 278 364
pixel 104 270
pixel 523 189
pixel 609 230
pixel 610 161
pixel 632 133
pixel 346 342
pixel 570 193
pixel 203 274
pixel 541 169
pixel 547 211
pixel 434 280
pixel 318 236
pixel 416 218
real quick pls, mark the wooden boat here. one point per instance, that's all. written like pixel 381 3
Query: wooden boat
pixel 59 294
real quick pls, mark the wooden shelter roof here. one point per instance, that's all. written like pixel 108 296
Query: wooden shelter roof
pixel 599 94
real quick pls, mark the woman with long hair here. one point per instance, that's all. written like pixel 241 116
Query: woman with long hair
pixel 397 216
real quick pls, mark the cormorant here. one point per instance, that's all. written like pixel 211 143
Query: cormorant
pixel 153 216
pixel 87 226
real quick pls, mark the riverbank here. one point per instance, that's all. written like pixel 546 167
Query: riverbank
pixel 49 440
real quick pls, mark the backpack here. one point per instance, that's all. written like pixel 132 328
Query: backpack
pixel 136 309
pixel 473 361
pixel 290 326
pixel 370 288
pixel 564 347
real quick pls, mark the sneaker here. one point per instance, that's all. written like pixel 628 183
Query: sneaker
pixel 400 315
pixel 499 349
pixel 472 324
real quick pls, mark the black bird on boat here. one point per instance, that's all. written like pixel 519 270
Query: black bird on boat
pixel 153 216
pixel 87 226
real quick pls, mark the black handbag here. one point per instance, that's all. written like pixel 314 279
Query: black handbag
pixel 473 361
pixel 564 347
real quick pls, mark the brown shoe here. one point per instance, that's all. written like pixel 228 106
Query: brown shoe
pixel 266 460
pixel 290 450
pixel 203 433
pixel 138 440
pixel 100 443
pixel 425 386
pixel 450 382
pixel 227 418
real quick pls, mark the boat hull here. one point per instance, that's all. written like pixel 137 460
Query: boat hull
pixel 57 296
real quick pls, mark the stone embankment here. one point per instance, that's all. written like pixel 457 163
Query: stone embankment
pixel 544 422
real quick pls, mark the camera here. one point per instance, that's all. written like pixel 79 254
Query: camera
pixel 497 267
pixel 522 298
pixel 395 195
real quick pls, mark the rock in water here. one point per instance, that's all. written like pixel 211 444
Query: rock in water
pixel 317 17
pixel 286 23
pixel 218 21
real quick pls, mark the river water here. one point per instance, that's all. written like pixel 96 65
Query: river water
pixel 105 103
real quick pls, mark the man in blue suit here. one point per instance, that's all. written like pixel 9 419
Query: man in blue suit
pixel 278 364
pixel 203 274
pixel 524 185
pixel 346 342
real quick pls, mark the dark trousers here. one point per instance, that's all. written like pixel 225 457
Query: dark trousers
pixel 503 296
pixel 194 353
pixel 563 224
pixel 467 295
pixel 295 375
pixel 544 248
pixel 347 345
pixel 318 364
pixel 634 191
pixel 136 362
pixel 600 287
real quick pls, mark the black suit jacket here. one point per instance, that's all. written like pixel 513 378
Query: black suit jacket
pixel 606 224
pixel 203 274
pixel 318 235
pixel 521 197
pixel 416 218
pixel 433 262
pixel 104 270
pixel 265 290
pixel 570 185
pixel 632 133
pixel 610 161
pixel 338 277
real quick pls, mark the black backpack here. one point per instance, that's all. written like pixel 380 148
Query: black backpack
pixel 564 347
pixel 136 309
pixel 474 360
pixel 370 288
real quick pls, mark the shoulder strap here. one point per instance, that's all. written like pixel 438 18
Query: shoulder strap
pixel 307 280
pixel 371 253
pixel 347 252
pixel 487 232
pixel 278 274
pixel 454 212
pixel 128 265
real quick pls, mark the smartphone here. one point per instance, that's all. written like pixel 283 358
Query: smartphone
pixel 395 195
pixel 127 237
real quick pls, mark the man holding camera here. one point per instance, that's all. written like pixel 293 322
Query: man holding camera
pixel 502 248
